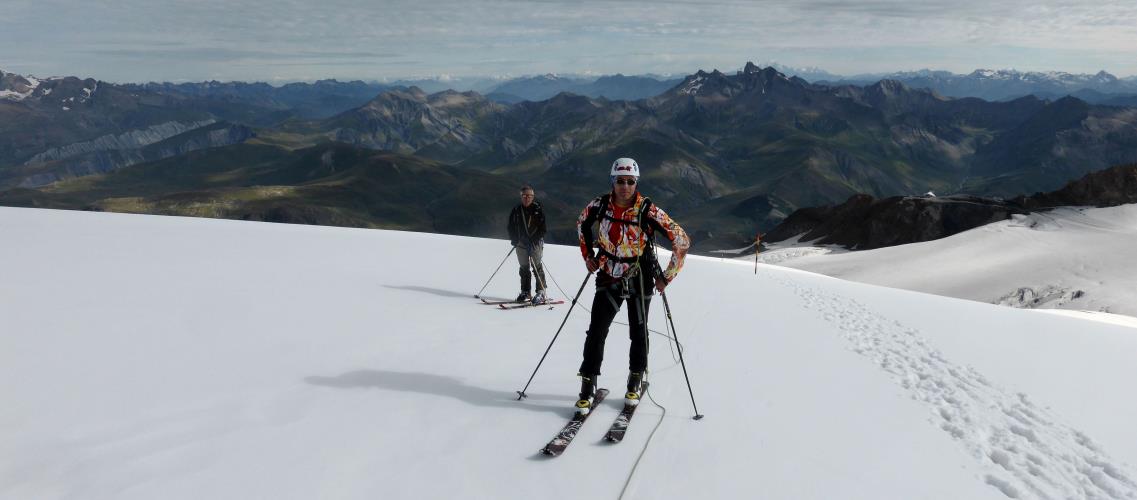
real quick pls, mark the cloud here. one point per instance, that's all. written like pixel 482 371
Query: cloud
pixel 173 52
pixel 529 37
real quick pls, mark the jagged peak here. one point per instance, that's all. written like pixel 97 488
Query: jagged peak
pixel 888 86
pixel 694 83
pixel 751 78
pixel 752 71
pixel 1103 75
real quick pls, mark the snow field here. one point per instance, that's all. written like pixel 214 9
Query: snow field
pixel 164 357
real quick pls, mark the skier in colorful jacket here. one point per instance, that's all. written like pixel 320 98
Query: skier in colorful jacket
pixel 626 270
pixel 527 234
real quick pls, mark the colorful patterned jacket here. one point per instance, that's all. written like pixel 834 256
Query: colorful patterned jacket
pixel 622 241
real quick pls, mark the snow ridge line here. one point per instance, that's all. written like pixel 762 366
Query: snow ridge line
pixel 1006 432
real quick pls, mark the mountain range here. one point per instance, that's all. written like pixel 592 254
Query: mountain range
pixel 613 87
pixel 999 85
pixel 728 154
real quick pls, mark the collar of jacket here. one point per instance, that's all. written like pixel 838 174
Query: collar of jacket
pixel 637 201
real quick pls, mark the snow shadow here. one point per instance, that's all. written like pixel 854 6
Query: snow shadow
pixel 434 291
pixel 440 385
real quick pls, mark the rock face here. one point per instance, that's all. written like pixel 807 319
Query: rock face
pixel 1106 188
pixel 134 139
pixel 407 121
pixel 863 223
pixel 114 152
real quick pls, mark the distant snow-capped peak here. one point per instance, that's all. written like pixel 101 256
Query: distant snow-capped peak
pixel 15 87
pixel 1057 77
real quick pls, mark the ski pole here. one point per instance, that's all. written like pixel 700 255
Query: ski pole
pixel 521 394
pixel 538 275
pixel 667 308
pixel 479 294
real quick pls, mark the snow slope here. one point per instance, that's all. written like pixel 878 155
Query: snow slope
pixel 157 357
pixel 1068 258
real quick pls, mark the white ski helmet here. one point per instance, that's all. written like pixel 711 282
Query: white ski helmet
pixel 625 166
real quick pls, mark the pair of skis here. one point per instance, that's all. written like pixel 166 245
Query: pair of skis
pixel 512 304
pixel 615 433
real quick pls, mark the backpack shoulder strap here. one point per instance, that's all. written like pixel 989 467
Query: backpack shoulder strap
pixel 644 207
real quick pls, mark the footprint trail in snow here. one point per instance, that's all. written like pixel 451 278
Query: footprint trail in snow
pixel 1030 453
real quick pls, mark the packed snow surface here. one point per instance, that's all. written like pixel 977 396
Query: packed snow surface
pixel 149 357
pixel 1068 258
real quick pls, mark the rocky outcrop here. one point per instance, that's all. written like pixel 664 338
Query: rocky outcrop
pixel 98 161
pixel 1106 188
pixel 409 120
pixel 134 139
pixel 863 222
pixel 15 87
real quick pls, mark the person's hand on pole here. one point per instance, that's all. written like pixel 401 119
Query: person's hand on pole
pixel 591 264
pixel 660 284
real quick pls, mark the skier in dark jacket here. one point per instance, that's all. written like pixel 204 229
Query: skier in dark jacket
pixel 626 270
pixel 527 234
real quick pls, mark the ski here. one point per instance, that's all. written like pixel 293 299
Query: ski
pixel 499 302
pixel 559 443
pixel 620 426
pixel 528 304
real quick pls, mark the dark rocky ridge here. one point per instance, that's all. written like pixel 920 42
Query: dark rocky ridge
pixel 863 222
pixel 1105 188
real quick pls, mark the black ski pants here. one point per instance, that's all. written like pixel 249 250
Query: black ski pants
pixel 605 305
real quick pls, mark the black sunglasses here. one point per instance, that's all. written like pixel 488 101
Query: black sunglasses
pixel 626 182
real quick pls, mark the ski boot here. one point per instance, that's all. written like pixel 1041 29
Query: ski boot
pixel 635 388
pixel 539 298
pixel 587 394
pixel 522 297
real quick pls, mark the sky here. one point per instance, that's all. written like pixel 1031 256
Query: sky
pixel 305 40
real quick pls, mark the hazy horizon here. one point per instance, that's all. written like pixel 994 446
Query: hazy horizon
pixel 473 81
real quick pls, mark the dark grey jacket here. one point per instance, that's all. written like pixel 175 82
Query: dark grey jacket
pixel 527 225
